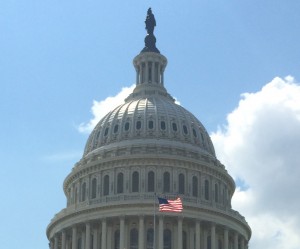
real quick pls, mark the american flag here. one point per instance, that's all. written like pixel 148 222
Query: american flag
pixel 170 205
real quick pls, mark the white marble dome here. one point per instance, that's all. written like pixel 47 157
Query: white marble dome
pixel 148 147
pixel 151 117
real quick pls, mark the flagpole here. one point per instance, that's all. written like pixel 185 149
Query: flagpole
pixel 154 223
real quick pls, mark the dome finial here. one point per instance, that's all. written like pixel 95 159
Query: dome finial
pixel 150 39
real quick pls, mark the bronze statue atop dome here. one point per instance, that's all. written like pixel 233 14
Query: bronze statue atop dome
pixel 150 39
pixel 150 22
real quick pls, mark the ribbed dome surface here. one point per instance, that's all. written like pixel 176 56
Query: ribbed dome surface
pixel 151 117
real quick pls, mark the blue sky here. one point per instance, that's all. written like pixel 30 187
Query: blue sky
pixel 57 57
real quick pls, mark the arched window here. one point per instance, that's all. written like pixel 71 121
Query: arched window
pixel 184 240
pixel 94 188
pixel 206 190
pixel 83 191
pixel 216 192
pixel 75 195
pixel 135 181
pixel 166 182
pixel 116 128
pixel 106 185
pixel 151 181
pixel 167 239
pixel 117 239
pixel 134 235
pixel 185 130
pixel 195 186
pixel 163 125
pixel 127 126
pixel 181 183
pixel 138 125
pixel 150 238
pixel 150 124
pixel 174 126
pixel 120 184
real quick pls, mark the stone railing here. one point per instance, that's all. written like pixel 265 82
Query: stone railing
pixel 146 198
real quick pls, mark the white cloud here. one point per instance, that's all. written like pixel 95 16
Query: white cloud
pixel 100 108
pixel 260 146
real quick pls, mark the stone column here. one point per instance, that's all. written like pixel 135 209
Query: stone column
pixel 109 244
pixel 95 238
pixel 236 241
pixel 137 75
pixel 63 239
pixel 179 229
pixel 141 232
pixel 213 235
pixel 205 239
pixel 55 241
pixel 162 76
pixel 153 72
pixel 225 238
pixel 198 234
pixel 147 72
pixel 103 238
pixel 191 238
pixel 87 236
pixel 74 238
pixel 160 232
pixel 242 243
pixel 122 231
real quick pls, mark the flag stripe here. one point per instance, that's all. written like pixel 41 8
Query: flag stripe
pixel 170 205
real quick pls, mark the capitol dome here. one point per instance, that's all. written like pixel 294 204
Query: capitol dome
pixel 150 116
pixel 148 147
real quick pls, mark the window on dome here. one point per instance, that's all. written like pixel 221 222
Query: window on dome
pixel 83 191
pixel 120 183
pixel 94 188
pixel 174 126
pixel 135 182
pixel 194 133
pixel 150 237
pixel 116 128
pixel 106 131
pixel 150 124
pixel 106 185
pixel 181 184
pixel 126 126
pixel 138 125
pixel 167 239
pixel 163 125
pixel 216 192
pixel 134 235
pixel 202 137
pixel 151 181
pixel 185 130
pixel 166 182
pixel 117 239
pixel 206 190
pixel 195 186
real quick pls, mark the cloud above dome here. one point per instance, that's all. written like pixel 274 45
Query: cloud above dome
pixel 260 147
pixel 100 108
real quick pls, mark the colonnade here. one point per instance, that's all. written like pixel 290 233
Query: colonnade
pixel 99 235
